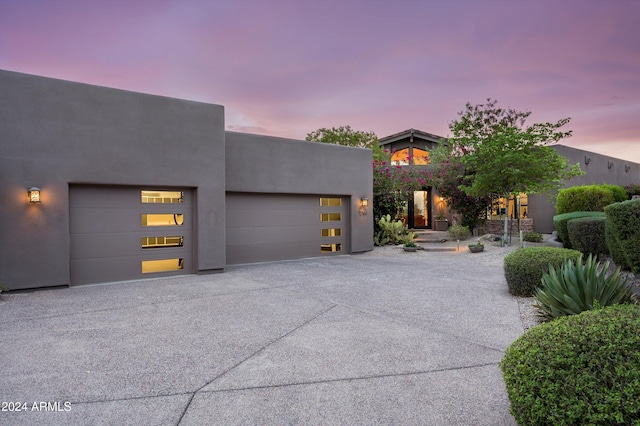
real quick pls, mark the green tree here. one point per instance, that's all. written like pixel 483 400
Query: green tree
pixel 505 157
pixel 345 135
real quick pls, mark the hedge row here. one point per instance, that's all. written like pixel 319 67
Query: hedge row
pixel 560 221
pixel 622 232
pixel 587 234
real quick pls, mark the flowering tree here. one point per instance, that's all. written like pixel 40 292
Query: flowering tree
pixel 449 175
pixel 393 185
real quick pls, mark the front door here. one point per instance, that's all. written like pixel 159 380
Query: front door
pixel 416 213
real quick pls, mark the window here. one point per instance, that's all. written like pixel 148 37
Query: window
pixel 400 157
pixel 157 242
pixel 334 202
pixel 330 248
pixel 162 197
pixel 162 265
pixel 331 232
pixel 420 157
pixel 330 217
pixel 162 219
pixel 518 207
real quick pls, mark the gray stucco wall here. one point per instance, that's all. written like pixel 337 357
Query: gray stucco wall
pixel 601 169
pixel 55 133
pixel 266 164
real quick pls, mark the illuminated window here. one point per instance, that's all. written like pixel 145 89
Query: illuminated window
pixel 518 207
pixel 330 217
pixel 162 197
pixel 400 157
pixel 162 265
pixel 331 232
pixel 166 219
pixel 337 202
pixel 157 242
pixel 420 157
pixel 330 248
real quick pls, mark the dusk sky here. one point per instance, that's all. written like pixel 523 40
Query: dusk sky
pixel 286 68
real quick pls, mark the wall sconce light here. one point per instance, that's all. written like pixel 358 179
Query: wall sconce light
pixel 609 164
pixel 587 160
pixel 34 194
pixel 364 202
pixel 627 168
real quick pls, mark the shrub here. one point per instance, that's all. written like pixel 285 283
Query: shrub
pixel 624 229
pixel 579 369
pixel 587 235
pixel 586 198
pixel 560 222
pixel 459 232
pixel 618 192
pixel 631 190
pixel 532 237
pixel 524 267
pixel 573 288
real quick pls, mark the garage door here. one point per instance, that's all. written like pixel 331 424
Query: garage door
pixel 267 227
pixel 129 233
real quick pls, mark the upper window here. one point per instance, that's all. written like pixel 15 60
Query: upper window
pixel 420 157
pixel 164 197
pixel 400 157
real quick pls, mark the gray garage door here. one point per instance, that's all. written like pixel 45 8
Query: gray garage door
pixel 123 233
pixel 267 227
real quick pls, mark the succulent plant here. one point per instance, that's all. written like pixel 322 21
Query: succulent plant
pixel 572 288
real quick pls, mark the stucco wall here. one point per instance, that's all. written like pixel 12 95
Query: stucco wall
pixel 266 164
pixel 601 169
pixel 54 133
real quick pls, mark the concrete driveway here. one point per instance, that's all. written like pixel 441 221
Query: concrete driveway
pixel 369 339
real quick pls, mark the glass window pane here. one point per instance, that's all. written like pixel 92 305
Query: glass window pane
pixel 162 265
pixel 331 232
pixel 336 202
pixel 162 219
pixel 330 217
pixel 400 157
pixel 330 248
pixel 164 197
pixel 420 157
pixel 156 242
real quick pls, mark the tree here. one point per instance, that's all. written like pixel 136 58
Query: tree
pixel 345 135
pixel 449 175
pixel 503 157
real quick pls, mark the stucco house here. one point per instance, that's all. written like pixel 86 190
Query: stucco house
pixel 411 148
pixel 129 185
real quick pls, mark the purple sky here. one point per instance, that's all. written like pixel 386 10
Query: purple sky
pixel 286 68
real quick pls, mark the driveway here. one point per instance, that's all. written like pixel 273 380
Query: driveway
pixel 378 338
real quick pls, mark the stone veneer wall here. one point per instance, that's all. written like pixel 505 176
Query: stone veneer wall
pixel 494 226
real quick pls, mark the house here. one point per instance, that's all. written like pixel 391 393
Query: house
pixel 134 186
pixel 411 148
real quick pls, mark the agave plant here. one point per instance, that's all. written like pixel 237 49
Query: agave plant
pixel 574 287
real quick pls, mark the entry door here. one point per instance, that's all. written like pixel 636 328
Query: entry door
pixel 124 233
pixel 421 209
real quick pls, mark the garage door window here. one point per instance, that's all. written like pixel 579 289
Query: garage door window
pixel 162 265
pixel 331 202
pixel 163 219
pixel 161 197
pixel 330 217
pixel 330 247
pixel 158 242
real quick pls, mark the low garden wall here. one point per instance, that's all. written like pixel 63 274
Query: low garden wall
pixel 494 226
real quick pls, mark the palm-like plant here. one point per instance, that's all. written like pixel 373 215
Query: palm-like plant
pixel 575 287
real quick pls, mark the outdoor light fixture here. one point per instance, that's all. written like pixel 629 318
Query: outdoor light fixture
pixel 364 202
pixel 34 194
pixel 609 164
pixel 587 160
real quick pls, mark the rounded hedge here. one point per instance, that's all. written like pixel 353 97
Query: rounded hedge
pixel 578 369
pixel 585 198
pixel 524 267
pixel 587 234
pixel 623 234
pixel 560 222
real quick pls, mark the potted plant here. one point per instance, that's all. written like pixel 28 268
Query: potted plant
pixel 476 248
pixel 440 223
pixel 410 246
